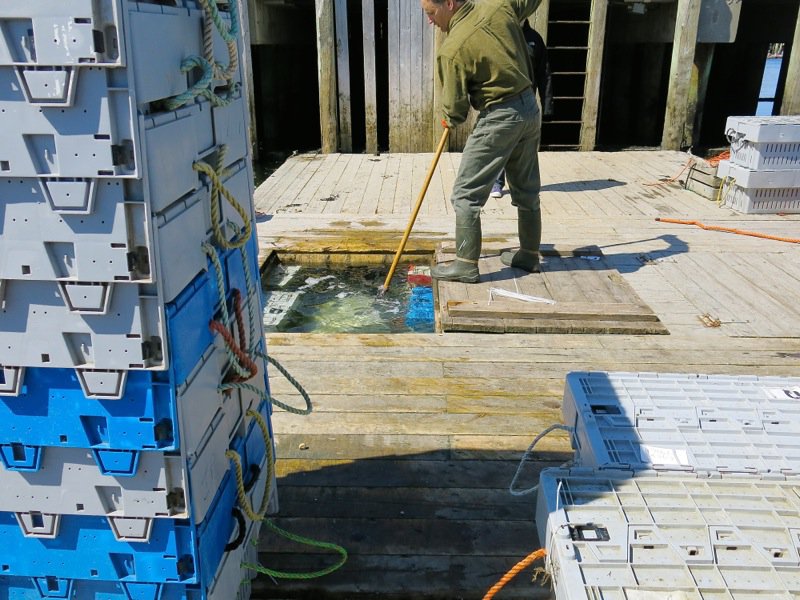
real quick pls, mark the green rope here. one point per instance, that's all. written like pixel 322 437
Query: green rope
pixel 187 65
pixel 228 34
pixel 301 540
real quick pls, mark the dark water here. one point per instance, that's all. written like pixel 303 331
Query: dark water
pixel 324 300
pixel 769 84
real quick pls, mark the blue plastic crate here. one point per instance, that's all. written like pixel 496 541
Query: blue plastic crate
pixel 53 410
pixel 229 583
pixel 175 551
pixel 420 307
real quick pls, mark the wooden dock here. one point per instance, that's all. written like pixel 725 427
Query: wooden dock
pixel 414 439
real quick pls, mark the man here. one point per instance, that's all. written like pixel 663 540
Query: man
pixel 484 62
pixel 543 81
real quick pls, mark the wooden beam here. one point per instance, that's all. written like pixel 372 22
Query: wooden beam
pixel 681 68
pixel 370 88
pixel 326 71
pixel 540 19
pixel 791 91
pixel 343 76
pixel 246 60
pixel 594 68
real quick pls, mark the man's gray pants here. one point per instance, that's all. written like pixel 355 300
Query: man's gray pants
pixel 505 135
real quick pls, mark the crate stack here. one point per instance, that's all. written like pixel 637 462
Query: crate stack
pixel 135 434
pixel 763 173
pixel 683 486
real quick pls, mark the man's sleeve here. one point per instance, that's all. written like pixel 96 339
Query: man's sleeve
pixel 455 97
pixel 524 8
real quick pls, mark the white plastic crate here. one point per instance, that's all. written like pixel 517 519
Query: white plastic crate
pixel 762 200
pixel 676 422
pixel 621 535
pixel 760 178
pixel 771 143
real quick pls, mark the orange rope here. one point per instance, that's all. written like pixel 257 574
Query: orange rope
pixel 514 572
pixel 715 160
pixel 689 163
pixel 245 360
pixel 731 230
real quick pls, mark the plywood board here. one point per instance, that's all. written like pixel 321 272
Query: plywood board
pixel 577 291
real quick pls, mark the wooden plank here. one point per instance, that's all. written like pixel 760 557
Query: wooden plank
pixel 326 65
pixel 790 105
pixel 370 85
pixel 680 74
pixel 395 58
pixel 594 72
pixel 561 310
pixel 343 76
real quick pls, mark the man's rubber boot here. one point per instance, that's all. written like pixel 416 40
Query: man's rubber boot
pixel 529 226
pixel 468 249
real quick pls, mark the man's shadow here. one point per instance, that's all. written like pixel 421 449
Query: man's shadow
pixel 592 257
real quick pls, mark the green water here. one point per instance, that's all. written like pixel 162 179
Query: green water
pixel 324 300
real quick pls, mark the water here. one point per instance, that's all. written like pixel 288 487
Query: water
pixel 769 85
pixel 325 300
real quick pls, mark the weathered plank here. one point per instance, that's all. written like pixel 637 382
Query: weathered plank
pixel 680 75
pixel 326 64
pixel 343 76
pixel 370 74
pixel 589 295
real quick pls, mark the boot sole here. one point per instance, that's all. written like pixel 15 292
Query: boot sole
pixel 459 279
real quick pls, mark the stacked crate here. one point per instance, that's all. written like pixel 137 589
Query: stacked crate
pixel 681 484
pixel 135 434
pixel 763 173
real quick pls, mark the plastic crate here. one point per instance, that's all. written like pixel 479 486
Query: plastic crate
pixel 94 136
pixel 764 143
pixel 762 200
pixel 183 226
pixel 232 582
pixel 676 422
pixel 617 534
pixel 87 32
pixel 77 324
pixel 175 550
pixel 112 238
pixel 123 326
pixel 420 308
pixel 133 483
pixel 751 178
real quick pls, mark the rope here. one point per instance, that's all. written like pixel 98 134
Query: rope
pixel 716 159
pixel 267 396
pixel 244 365
pixel 664 181
pixel 212 69
pixel 301 540
pixel 230 40
pixel 244 501
pixel 730 230
pixel 187 65
pixel 515 570
pixel 218 188
pixel 244 372
pixel 525 456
